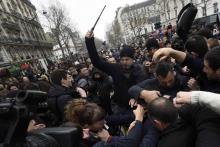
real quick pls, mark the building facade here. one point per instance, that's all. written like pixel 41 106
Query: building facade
pixel 71 46
pixel 22 38
pixel 139 19
pixel 171 8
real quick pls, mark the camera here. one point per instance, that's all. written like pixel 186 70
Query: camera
pixel 15 114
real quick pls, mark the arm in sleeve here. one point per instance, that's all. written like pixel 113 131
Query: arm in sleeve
pixel 95 59
pixel 131 140
pixel 196 65
pixel 135 90
pixel 208 99
pixel 151 136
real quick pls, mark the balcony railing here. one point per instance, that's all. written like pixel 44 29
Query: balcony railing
pixel 11 25
pixel 20 41
pixel 29 4
pixel 15 13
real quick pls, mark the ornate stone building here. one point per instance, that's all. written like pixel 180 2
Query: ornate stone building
pixel 22 38
pixel 139 19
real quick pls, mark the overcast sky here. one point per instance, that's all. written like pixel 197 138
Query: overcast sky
pixel 83 13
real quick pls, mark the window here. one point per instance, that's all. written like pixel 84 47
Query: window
pixel 175 3
pixel 203 11
pixel 215 6
pixel 176 12
pixel 168 15
pixel 9 6
pixel 1 56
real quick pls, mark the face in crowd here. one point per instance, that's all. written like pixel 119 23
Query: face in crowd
pixel 126 62
pixel 67 82
pixel 167 81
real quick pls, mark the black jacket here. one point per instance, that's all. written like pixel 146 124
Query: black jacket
pixel 196 65
pixel 59 96
pixel 120 81
pixel 153 84
pixel 142 135
pixel 180 134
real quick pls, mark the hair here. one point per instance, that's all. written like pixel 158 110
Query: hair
pixel 196 44
pixel 163 68
pixel 82 112
pixel 152 43
pixel 162 109
pixel 177 44
pixel 10 84
pixel 81 66
pixel 57 76
pixel 127 51
pixel 213 58
pixel 205 32
pixel 213 42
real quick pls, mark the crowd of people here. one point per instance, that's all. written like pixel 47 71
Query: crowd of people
pixel 165 93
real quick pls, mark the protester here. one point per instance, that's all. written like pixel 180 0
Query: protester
pixel 166 83
pixel 124 75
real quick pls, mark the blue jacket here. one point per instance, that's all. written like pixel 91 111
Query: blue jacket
pixel 142 135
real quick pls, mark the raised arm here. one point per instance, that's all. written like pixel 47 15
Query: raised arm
pixel 95 59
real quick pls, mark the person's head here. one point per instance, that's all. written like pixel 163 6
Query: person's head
pixel 61 78
pixel 98 75
pixel 196 45
pixel 212 63
pixel 126 57
pixel 212 42
pixel 83 70
pixel 162 112
pixel 13 87
pixel 178 44
pixel 205 32
pixel 112 60
pixel 86 114
pixel 72 70
pixel 152 46
pixel 165 74
pixel 25 80
pixel 168 44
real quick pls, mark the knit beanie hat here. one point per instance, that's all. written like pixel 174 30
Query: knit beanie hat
pixel 127 52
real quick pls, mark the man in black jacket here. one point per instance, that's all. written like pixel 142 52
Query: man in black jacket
pixel 206 122
pixel 167 83
pixel 174 131
pixel 61 92
pixel 124 75
pixel 209 68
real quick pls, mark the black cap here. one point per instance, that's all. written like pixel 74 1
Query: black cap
pixel 127 52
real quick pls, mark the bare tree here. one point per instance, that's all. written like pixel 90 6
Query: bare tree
pixel 58 22
pixel 114 34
